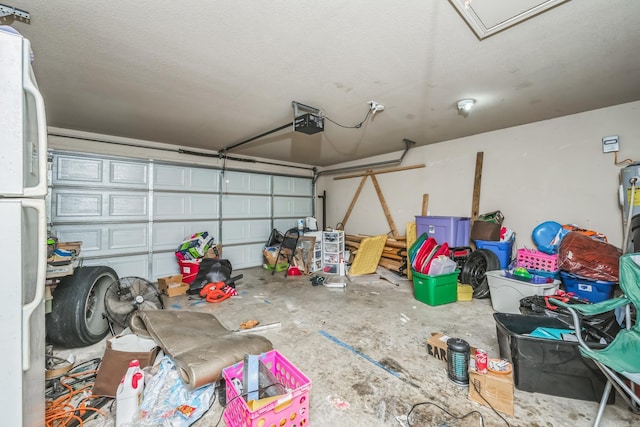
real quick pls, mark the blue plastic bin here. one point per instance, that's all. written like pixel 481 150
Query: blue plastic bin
pixel 591 290
pixel 451 229
pixel 501 249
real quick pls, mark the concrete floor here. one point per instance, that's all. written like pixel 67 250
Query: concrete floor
pixel 350 342
pixel 347 342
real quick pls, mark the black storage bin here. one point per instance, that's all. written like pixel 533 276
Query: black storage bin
pixel 547 366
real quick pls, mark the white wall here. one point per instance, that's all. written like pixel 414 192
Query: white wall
pixel 550 170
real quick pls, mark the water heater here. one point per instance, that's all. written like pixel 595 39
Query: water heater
pixel 630 201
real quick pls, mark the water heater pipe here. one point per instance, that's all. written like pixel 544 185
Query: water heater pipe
pixel 625 239
pixel 407 144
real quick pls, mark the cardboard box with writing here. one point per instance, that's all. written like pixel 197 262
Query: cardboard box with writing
pixel 497 389
pixel 437 346
pixel 172 286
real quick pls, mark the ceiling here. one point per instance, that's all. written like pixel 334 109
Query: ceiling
pixel 211 74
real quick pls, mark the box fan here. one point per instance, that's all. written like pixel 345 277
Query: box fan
pixel 127 295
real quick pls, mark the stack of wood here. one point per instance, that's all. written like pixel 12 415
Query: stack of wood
pixel 394 255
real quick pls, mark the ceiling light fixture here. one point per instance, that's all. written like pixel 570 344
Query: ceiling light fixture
pixel 465 106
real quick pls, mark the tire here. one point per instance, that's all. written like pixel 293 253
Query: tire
pixel 474 269
pixel 78 316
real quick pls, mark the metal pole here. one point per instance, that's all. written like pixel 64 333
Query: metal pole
pixel 230 147
pixel 324 209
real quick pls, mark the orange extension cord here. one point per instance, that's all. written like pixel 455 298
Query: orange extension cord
pixel 61 411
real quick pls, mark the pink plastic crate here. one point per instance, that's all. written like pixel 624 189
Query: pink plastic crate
pixel 536 260
pixel 290 410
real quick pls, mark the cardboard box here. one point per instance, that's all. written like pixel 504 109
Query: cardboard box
pixel 497 389
pixel 119 352
pixel 59 270
pixel 214 252
pixel 172 286
pixel 437 346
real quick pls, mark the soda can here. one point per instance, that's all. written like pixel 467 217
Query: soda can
pixel 482 359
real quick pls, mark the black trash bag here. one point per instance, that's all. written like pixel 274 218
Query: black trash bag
pixel 602 326
pixel 211 271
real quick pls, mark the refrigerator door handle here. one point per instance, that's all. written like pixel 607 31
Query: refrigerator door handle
pixel 29 308
pixel 31 89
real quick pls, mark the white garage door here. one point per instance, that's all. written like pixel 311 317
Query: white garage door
pixel 131 214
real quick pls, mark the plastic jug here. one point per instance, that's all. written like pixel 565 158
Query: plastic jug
pixel 129 395
pixel 441 265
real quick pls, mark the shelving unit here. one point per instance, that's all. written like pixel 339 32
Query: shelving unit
pixel 332 251
pixel 316 260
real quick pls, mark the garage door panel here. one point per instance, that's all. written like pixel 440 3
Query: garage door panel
pixel 76 205
pixel 245 231
pixel 132 214
pixel 182 178
pixel 98 205
pixel 178 206
pixel 89 235
pixel 106 239
pixel 292 206
pixel 236 206
pixel 81 171
pixel 168 235
pixel 136 265
pixel 128 173
pixel 249 183
pixel 71 170
pixel 128 205
pixel 244 256
pixel 282 225
pixel 203 206
pixel 128 238
pixel 292 186
pixel 164 264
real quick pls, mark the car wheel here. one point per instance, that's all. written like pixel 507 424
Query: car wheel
pixel 474 269
pixel 78 316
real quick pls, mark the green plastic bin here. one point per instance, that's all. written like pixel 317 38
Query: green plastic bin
pixel 435 290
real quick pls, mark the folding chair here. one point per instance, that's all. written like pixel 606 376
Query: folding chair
pixel 288 248
pixel 620 360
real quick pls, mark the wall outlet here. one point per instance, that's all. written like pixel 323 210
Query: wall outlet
pixel 610 144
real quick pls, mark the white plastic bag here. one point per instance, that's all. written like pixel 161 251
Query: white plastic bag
pixel 167 402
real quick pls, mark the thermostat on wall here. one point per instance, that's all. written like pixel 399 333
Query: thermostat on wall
pixel 610 144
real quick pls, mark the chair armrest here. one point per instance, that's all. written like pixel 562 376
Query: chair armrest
pixel 589 310
pixel 593 309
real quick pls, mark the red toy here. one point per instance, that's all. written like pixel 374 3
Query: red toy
pixel 220 291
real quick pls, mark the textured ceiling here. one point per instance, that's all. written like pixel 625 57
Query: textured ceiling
pixel 209 74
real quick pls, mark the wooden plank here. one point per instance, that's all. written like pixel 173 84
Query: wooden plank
pixel 477 180
pixel 385 208
pixel 390 276
pixel 390 241
pixel 425 204
pixel 353 202
pixel 411 238
pixel 392 256
pixel 369 172
pixel 390 264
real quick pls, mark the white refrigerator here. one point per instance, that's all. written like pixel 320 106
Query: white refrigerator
pixel 23 233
